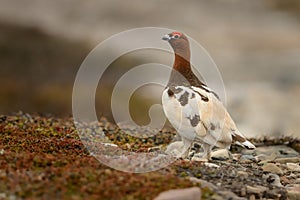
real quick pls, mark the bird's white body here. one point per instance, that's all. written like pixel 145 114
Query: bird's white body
pixel 199 116
pixel 193 109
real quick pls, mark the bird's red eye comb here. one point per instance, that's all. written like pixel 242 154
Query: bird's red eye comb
pixel 177 33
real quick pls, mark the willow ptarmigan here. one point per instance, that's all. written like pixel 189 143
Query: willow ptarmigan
pixel 193 109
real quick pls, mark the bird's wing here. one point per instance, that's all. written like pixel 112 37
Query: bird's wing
pixel 217 120
pixel 214 117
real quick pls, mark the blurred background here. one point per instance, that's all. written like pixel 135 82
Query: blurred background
pixel 255 44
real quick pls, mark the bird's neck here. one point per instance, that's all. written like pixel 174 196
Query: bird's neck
pixel 182 73
pixel 182 63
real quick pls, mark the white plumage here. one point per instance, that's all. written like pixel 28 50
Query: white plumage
pixel 194 110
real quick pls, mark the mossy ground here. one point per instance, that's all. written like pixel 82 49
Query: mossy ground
pixel 43 157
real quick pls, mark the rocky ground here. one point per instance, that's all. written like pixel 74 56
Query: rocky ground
pixel 42 157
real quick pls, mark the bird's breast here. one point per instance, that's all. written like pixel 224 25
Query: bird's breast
pixel 180 107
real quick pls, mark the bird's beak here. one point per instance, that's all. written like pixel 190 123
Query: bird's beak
pixel 166 37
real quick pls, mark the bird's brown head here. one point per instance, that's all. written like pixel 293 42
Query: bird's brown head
pixel 181 47
pixel 178 41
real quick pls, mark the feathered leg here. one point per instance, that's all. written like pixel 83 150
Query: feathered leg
pixel 207 151
pixel 186 147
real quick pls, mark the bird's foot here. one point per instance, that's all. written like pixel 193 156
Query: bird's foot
pixel 177 149
pixel 201 157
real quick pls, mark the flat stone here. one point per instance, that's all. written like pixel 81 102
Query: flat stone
pixel 221 154
pixel 211 165
pixel 261 157
pixel 267 158
pixel 199 159
pixel 249 152
pixel 236 156
pixel 242 174
pixel 272 168
pixel 2 174
pixel 175 148
pixel 256 189
pixel 193 193
pixel 3 196
pixel 293 192
pixel 272 179
pixel 292 176
pixel 243 192
pixel 230 195
pixel 247 158
pixel 203 183
pixel 252 197
pixel 281 151
pixel 287 160
pixel 295 167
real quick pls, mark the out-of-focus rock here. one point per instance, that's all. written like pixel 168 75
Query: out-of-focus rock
pixel 221 154
pixel 272 179
pixel 193 193
pixel 287 160
pixel 272 168
pixel 293 192
pixel 295 167
pixel 256 189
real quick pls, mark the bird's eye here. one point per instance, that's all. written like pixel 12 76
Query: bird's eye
pixel 176 36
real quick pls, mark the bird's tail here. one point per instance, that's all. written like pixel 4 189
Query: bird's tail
pixel 238 138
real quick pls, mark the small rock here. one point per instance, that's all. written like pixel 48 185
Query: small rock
pixel 287 160
pixel 230 195
pixel 252 197
pixel 272 168
pixel 193 193
pixel 268 158
pixel 248 152
pixel 261 157
pixel 221 154
pixel 291 176
pixel 247 158
pixel 243 192
pixel 3 196
pixel 109 144
pixel 281 151
pixel 216 197
pixel 211 165
pixel 199 159
pixel 204 183
pixel 1 151
pixel 2 174
pixel 272 179
pixel 293 192
pixel 293 167
pixel 236 156
pixel 12 197
pixel 154 149
pixel 175 149
pixel 256 190
pixel 108 172
pixel 242 174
